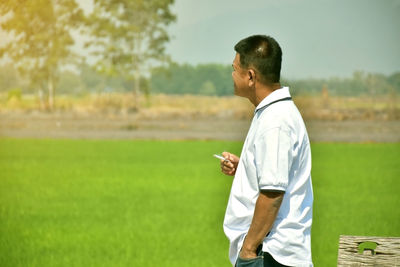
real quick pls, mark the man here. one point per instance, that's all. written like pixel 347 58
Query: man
pixel 269 213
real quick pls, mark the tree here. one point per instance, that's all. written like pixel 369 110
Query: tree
pixel 210 79
pixel 70 83
pixel 129 36
pixel 207 88
pixel 91 79
pixel 394 81
pixel 41 39
pixel 8 78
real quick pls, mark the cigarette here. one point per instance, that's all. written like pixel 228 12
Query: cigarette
pixel 220 157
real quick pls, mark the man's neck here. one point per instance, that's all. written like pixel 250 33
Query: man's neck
pixel 262 92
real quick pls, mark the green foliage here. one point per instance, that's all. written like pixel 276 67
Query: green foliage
pixel 208 79
pixel 128 34
pixel 70 83
pixel 94 81
pixel 41 37
pixel 91 78
pixel 360 83
pixel 141 203
pixel 14 93
pixel 207 88
pixel 394 81
pixel 9 78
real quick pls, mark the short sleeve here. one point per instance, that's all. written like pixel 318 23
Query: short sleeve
pixel 273 159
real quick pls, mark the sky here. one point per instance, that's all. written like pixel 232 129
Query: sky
pixel 319 38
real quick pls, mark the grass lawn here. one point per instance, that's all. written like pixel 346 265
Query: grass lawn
pixel 155 203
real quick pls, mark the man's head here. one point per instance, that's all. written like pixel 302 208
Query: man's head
pixel 262 54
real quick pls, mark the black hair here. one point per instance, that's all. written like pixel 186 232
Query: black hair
pixel 262 53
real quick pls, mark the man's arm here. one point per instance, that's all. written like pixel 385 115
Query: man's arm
pixel 265 212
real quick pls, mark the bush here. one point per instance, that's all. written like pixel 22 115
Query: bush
pixel 15 93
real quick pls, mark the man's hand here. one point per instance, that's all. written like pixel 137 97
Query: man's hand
pixel 229 165
pixel 247 254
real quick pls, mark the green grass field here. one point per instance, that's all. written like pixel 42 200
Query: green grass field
pixel 154 203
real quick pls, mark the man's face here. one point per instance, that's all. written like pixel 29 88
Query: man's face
pixel 239 76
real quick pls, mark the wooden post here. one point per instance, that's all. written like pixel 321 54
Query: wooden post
pixel 379 251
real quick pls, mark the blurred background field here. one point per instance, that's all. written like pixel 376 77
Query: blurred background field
pixel 70 75
pixel 177 117
pixel 156 106
pixel 161 203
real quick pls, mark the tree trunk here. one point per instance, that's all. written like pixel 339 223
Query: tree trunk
pixel 136 88
pixel 50 86
pixel 136 75
pixel 42 106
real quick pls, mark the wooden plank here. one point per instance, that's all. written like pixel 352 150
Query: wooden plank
pixel 387 252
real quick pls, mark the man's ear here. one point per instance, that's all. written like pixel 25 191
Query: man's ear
pixel 252 77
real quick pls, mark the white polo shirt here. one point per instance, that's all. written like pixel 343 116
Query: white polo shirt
pixel 275 156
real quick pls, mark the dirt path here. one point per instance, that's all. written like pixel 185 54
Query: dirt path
pixel 42 125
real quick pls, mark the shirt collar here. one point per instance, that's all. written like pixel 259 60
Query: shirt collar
pixel 275 95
